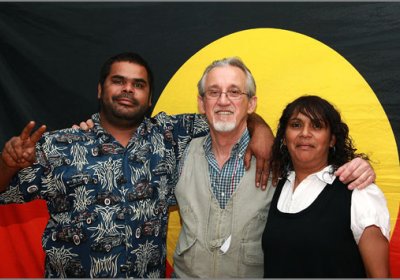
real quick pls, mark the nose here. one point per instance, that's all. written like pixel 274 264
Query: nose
pixel 223 98
pixel 306 131
pixel 127 87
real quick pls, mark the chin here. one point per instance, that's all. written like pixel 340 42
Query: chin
pixel 224 126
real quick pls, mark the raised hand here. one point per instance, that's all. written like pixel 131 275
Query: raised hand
pixel 19 151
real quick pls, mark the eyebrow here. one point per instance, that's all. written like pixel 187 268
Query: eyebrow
pixel 140 80
pixel 219 87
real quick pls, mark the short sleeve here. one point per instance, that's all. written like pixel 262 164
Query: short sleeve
pixel 192 125
pixel 369 207
pixel 183 128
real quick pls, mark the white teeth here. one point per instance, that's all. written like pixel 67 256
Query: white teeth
pixel 224 113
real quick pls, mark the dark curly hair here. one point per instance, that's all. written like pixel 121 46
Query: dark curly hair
pixel 318 110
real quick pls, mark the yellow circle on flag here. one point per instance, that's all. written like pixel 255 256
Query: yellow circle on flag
pixel 286 65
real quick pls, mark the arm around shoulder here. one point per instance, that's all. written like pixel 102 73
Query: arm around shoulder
pixel 260 146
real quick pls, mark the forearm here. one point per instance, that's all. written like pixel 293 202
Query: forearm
pixel 255 121
pixel 374 250
pixel 260 146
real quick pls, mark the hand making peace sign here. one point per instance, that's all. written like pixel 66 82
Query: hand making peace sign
pixel 19 151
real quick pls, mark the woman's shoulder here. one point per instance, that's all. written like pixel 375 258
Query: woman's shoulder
pixel 369 207
pixel 372 190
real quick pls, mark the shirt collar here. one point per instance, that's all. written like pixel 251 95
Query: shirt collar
pixel 240 147
pixel 97 128
pixel 325 175
pixel 143 128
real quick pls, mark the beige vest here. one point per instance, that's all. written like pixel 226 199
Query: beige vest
pixel 206 227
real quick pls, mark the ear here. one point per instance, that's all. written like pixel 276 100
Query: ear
pixel 99 91
pixel 200 105
pixel 333 141
pixel 251 107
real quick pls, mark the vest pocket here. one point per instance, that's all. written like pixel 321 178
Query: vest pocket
pixel 184 253
pixel 187 238
pixel 185 242
pixel 252 253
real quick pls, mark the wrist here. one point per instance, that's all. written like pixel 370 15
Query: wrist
pixel 4 167
pixel 6 174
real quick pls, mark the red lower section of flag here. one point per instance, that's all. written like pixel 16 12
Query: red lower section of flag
pixel 169 270
pixel 21 229
pixel 395 249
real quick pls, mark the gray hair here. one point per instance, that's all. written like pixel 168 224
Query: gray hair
pixel 230 61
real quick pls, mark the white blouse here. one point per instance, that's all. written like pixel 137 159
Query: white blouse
pixel 368 206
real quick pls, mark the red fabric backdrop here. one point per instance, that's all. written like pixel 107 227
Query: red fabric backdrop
pixel 21 228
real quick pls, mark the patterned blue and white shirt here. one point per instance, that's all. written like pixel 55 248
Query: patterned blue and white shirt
pixel 107 203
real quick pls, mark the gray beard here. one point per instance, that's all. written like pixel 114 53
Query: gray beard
pixel 224 126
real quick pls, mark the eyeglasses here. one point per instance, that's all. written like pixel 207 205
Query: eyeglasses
pixel 232 94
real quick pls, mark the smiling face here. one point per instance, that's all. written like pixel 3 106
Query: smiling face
pixel 125 94
pixel 308 142
pixel 224 114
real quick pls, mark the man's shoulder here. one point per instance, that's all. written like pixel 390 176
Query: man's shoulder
pixel 163 115
pixel 199 141
pixel 196 145
pixel 170 121
pixel 67 136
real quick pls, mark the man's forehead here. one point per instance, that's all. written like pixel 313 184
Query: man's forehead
pixel 225 73
pixel 128 69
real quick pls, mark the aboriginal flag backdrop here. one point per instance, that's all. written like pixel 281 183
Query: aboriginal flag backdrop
pixel 50 55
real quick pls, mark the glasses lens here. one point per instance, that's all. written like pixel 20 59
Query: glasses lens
pixel 234 93
pixel 213 94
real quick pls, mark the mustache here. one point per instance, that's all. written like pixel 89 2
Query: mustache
pixel 224 108
pixel 126 95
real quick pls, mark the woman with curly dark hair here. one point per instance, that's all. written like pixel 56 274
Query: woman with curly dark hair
pixel 316 226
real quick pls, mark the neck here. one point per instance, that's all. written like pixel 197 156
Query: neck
pixel 303 172
pixel 121 131
pixel 222 144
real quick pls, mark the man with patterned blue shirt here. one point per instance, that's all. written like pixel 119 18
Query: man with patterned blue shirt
pixel 107 189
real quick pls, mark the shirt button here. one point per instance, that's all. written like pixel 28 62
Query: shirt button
pixel 222 194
